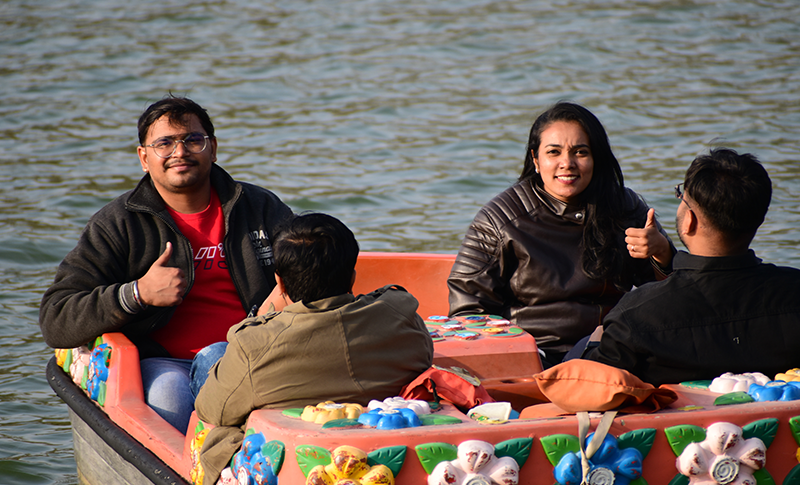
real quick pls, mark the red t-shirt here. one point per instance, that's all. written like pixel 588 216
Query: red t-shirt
pixel 213 304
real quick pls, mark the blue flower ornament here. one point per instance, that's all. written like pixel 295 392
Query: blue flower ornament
pixel 775 391
pixel 390 418
pixel 609 464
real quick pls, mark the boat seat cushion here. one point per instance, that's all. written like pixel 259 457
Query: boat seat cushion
pixel 584 385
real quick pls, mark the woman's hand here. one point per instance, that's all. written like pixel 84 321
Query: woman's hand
pixel 648 241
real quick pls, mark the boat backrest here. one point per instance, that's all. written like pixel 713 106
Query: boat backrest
pixel 423 275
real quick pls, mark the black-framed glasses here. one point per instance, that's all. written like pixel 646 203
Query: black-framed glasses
pixel 193 142
pixel 679 195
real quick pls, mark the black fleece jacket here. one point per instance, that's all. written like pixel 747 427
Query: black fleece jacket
pixel 121 242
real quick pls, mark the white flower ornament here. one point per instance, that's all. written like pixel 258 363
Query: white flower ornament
pixel 723 457
pixel 476 465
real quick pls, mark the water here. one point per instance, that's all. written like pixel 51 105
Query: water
pixel 400 118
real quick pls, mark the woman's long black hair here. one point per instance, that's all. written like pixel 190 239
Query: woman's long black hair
pixel 603 255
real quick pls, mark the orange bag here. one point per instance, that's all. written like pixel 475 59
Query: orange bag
pixel 452 384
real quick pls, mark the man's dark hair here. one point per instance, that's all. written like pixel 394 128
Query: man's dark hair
pixel 732 190
pixel 315 255
pixel 176 109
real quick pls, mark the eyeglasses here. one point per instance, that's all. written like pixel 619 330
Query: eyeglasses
pixel 679 195
pixel 165 147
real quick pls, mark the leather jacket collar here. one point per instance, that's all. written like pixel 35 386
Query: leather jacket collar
pixel 568 212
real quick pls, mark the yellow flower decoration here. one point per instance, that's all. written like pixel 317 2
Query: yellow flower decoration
pixel 789 376
pixel 349 467
pixel 197 473
pixel 329 410
pixel 61 356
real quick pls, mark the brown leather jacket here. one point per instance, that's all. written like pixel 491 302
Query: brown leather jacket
pixel 521 258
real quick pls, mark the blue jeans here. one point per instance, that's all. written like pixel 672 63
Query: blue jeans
pixel 171 385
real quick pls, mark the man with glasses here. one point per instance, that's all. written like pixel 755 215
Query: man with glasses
pixel 722 309
pixel 172 264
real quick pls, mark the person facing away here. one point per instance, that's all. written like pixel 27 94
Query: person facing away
pixel 320 344
pixel 722 309
pixel 554 252
pixel 173 263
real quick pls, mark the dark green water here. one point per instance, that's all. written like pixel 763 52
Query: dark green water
pixel 400 118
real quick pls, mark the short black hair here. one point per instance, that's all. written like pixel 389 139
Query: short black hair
pixel 315 256
pixel 176 109
pixel 732 190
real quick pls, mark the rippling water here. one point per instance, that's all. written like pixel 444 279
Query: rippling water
pixel 400 118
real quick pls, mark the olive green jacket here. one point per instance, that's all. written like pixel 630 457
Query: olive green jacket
pixel 342 349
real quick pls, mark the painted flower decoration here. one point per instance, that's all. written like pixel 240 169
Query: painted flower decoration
pixel 789 376
pixel 723 457
pixel 349 467
pixel 419 407
pixel 476 464
pixel 329 410
pixel 390 419
pixel 98 372
pixel 80 358
pixel 250 466
pixel 729 382
pixel 608 465
pixel 197 474
pixel 775 391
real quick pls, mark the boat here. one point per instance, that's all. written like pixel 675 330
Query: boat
pixel 728 437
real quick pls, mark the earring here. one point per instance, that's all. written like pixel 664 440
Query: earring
pixel 537 169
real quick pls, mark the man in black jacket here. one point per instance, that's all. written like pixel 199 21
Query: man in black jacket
pixel 722 309
pixel 173 263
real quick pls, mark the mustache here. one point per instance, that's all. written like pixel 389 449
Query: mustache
pixel 180 161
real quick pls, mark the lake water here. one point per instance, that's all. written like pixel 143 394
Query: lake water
pixel 400 118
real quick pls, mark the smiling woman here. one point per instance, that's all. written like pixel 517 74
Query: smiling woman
pixel 550 252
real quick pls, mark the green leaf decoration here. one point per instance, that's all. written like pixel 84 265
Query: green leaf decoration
pixel 275 451
pixel 519 449
pixel 793 478
pixel 200 427
pixel 434 419
pixel 107 356
pixel 763 477
pixel 431 454
pixel 101 394
pixel 639 481
pixel 680 436
pixel 391 456
pixel 67 361
pixel 557 445
pixel 309 456
pixel 696 385
pixel 794 426
pixel 641 439
pixel 679 480
pixel 249 432
pixel 739 397
pixel 85 378
pixel 763 429
pixel 341 423
pixel 293 412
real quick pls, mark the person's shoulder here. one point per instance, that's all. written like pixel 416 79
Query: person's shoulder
pixel 781 275
pixel 393 295
pixel 116 209
pixel 255 332
pixel 517 200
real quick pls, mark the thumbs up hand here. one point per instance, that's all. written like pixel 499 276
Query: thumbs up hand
pixel 648 241
pixel 163 285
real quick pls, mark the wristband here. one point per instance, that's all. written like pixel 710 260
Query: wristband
pixel 136 296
